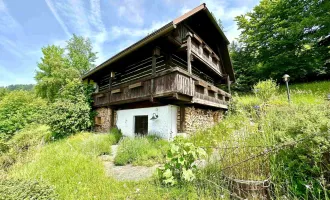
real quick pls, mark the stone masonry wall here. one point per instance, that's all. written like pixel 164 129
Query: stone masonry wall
pixel 103 120
pixel 199 119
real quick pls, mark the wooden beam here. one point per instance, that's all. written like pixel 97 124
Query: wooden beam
pixel 116 91
pixel 228 84
pixel 189 35
pixel 135 85
pixel 201 83
pixel 212 88
pixel 182 118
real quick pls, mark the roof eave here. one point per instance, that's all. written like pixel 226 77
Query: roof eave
pixel 165 29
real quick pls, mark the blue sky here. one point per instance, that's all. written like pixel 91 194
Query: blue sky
pixel 112 25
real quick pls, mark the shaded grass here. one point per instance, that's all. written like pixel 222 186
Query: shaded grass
pixel 145 151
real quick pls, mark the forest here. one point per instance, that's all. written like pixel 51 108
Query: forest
pixel 265 147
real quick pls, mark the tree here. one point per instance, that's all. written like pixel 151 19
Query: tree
pixel 58 67
pixel 80 54
pixel 19 108
pixel 282 37
pixel 53 72
pixel 71 112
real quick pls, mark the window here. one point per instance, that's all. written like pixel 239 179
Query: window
pixel 141 125
pixel 98 120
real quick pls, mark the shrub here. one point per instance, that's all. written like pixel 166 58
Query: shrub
pixel 67 118
pixel 71 112
pixel 180 165
pixel 17 109
pixel 24 140
pixel 141 151
pixel 19 189
pixel 265 90
pixel 117 134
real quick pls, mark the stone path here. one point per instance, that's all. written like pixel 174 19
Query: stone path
pixel 127 172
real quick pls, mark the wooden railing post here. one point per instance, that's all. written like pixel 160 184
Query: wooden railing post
pixel 155 53
pixel 192 86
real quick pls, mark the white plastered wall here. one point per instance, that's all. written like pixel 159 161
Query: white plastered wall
pixel 164 126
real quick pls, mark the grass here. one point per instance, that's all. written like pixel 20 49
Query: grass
pixel 71 166
pixel 145 151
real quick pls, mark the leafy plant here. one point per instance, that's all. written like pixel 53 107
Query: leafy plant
pixel 180 166
pixel 117 134
pixel 17 109
pixel 71 112
pixel 19 189
pixel 265 90
pixel 147 151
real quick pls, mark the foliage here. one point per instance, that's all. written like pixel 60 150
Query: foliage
pixel 180 166
pixel 80 54
pixel 141 151
pixel 281 37
pixel 57 68
pixel 53 72
pixel 17 109
pixel 26 139
pixel 26 87
pixel 117 134
pixel 71 166
pixel 3 92
pixel 300 168
pixel 71 112
pixel 77 173
pixel 265 90
pixel 19 189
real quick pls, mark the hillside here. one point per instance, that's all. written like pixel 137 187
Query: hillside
pixel 294 136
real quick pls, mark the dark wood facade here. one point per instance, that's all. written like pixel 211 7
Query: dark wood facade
pixel 184 64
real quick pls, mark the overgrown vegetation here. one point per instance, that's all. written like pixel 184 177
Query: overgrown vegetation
pixel 17 109
pixel 180 166
pixel 146 151
pixel 282 37
pixel 264 137
pixel 20 189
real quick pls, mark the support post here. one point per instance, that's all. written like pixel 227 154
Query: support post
pixel 192 86
pixel 156 52
pixel 228 84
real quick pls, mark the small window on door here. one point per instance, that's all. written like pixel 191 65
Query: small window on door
pixel 141 125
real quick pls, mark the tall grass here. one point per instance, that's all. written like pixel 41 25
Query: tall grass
pixel 71 165
pixel 145 151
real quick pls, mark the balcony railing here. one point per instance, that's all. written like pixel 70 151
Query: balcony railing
pixel 165 84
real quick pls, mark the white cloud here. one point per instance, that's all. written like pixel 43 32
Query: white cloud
pixel 9 28
pixel 57 17
pixel 82 20
pixel 118 31
pixel 132 11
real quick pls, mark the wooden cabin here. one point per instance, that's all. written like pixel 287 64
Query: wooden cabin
pixel 168 82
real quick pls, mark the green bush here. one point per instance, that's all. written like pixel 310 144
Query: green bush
pixel 24 140
pixel 141 151
pixel 17 109
pixel 180 165
pixel 265 90
pixel 19 189
pixel 117 134
pixel 71 112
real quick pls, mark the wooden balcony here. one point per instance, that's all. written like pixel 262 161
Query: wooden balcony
pixel 174 84
pixel 204 53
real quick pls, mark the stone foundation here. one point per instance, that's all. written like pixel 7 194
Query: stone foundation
pixel 103 119
pixel 198 119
